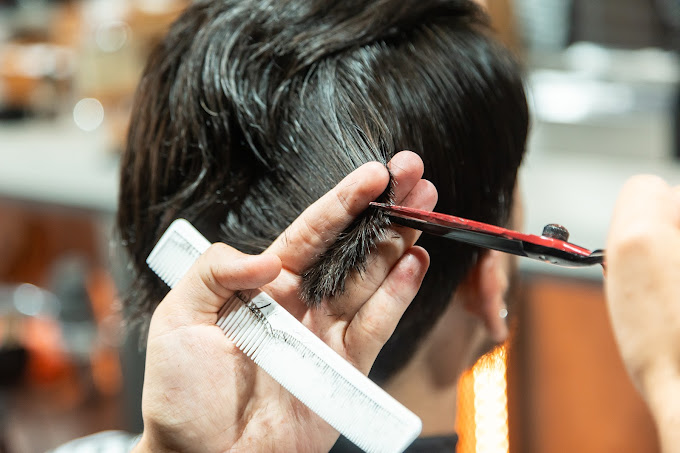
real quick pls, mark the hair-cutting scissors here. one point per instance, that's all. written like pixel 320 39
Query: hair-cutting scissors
pixel 551 247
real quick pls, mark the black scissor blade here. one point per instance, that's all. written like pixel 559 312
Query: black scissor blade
pixel 484 240
pixel 508 245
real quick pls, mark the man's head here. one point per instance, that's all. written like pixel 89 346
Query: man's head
pixel 251 110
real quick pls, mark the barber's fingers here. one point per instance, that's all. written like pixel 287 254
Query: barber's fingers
pixel 646 215
pixel 213 279
pixel 376 320
pixel 644 236
pixel 411 191
pixel 407 168
pixel 643 274
pixel 645 203
pixel 319 225
pixel 643 263
pixel 380 262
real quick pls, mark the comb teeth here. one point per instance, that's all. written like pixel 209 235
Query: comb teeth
pixel 176 251
pixel 341 395
pixel 296 358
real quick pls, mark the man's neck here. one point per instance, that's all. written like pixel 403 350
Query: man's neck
pixel 428 385
pixel 436 406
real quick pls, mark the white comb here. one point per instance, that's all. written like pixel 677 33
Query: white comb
pixel 296 358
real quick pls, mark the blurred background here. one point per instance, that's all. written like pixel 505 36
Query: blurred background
pixel 604 84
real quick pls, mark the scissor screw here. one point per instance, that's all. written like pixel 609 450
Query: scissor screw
pixel 555 231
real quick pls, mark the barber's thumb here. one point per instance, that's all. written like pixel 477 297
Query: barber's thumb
pixel 215 276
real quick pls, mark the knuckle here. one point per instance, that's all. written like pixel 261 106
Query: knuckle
pixel 215 253
pixel 637 240
pixel 641 187
pixel 205 280
pixel 313 229
pixel 398 298
pixel 372 277
pixel 345 202
pixel 373 325
pixel 354 192
pixel 646 180
pixel 214 266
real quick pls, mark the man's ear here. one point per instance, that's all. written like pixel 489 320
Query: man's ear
pixel 484 291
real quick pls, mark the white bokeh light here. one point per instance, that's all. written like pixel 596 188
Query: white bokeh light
pixel 88 114
pixel 112 36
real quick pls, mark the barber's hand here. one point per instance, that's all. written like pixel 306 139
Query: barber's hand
pixel 202 394
pixel 643 293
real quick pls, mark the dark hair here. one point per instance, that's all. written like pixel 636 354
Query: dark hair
pixel 249 111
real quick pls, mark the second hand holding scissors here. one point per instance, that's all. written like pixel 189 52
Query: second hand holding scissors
pixel 551 247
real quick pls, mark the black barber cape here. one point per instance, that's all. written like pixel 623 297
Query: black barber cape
pixel 435 444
